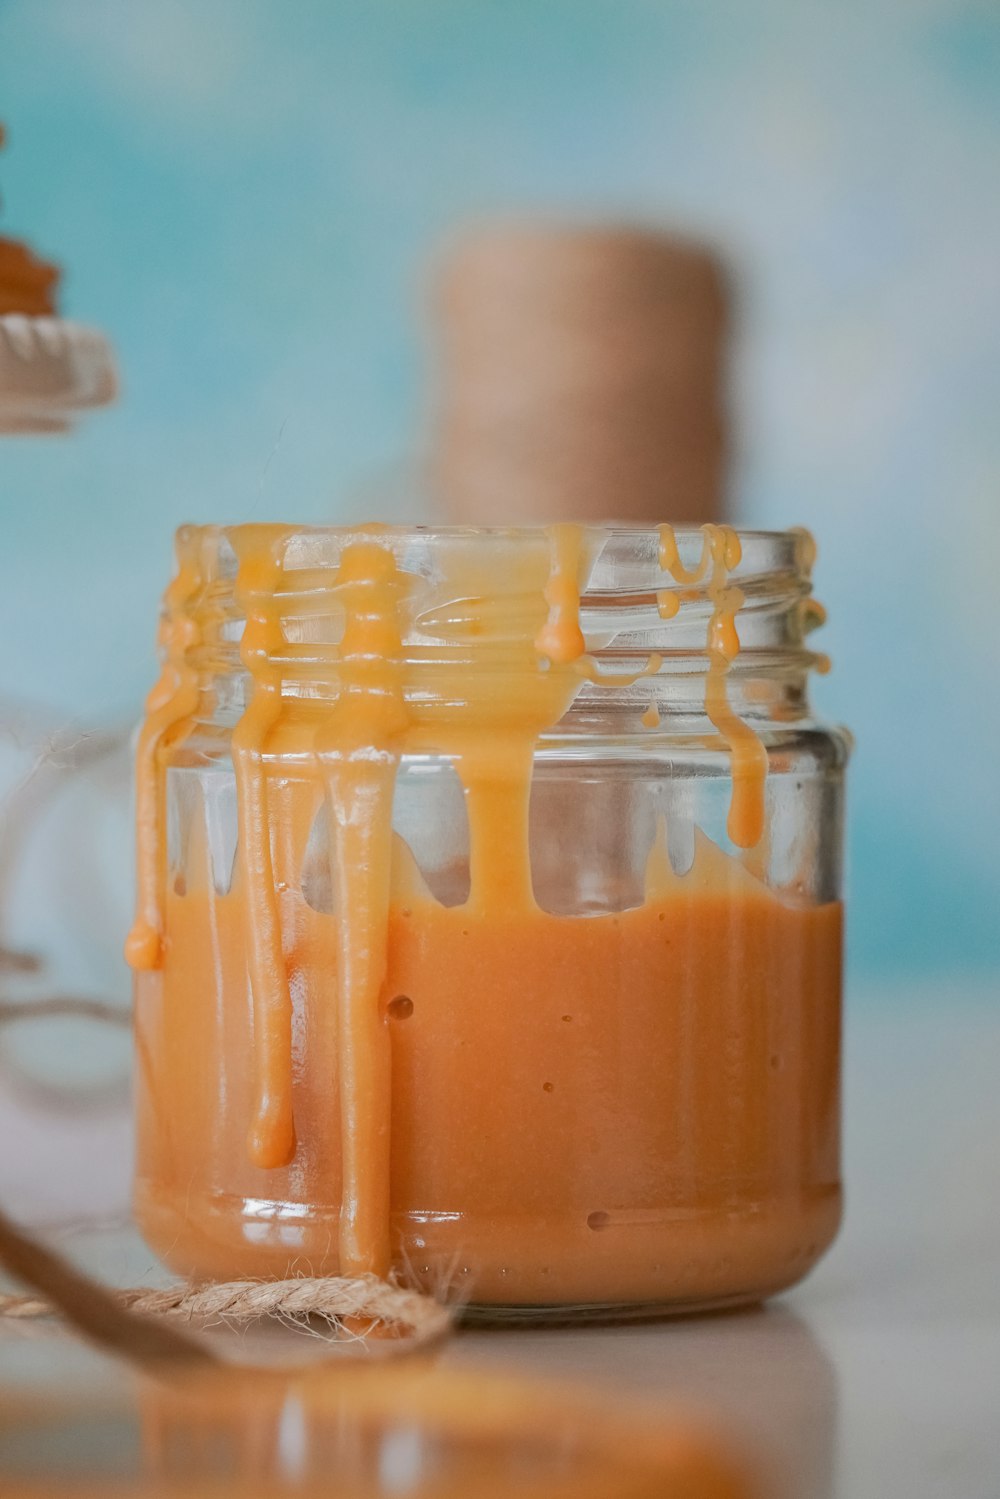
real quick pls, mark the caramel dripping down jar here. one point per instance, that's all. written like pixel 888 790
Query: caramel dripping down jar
pixel 489 925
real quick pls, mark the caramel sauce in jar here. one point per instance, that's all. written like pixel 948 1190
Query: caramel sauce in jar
pixel 489 925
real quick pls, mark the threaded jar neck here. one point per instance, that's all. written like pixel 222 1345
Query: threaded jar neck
pixel 482 599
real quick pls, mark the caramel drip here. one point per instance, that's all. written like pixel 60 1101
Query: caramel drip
pixel 805 549
pixel 811 612
pixel 527 688
pixel 260 552
pixel 170 703
pixel 588 669
pixel 496 776
pixel 560 638
pixel 530 659
pixel 811 616
pixel 358 750
pixel 711 870
pixel 670 559
pixel 667 602
pixel 745 824
pixel 721 552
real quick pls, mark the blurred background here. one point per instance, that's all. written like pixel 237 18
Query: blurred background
pixel 246 198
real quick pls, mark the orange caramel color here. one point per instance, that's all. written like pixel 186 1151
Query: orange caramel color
pixel 523 1108
pixel 639 1107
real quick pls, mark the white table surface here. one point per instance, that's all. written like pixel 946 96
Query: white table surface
pixel 878 1378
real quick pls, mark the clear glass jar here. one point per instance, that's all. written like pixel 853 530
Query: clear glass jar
pixel 489 925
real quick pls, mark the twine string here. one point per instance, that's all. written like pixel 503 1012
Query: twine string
pixel 342 1302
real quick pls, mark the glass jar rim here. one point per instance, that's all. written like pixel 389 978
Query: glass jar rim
pixel 629 549
pixel 643 590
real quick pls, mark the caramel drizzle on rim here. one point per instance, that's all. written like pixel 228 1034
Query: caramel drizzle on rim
pixel 721 553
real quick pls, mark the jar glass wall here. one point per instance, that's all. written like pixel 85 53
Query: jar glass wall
pixel 511 961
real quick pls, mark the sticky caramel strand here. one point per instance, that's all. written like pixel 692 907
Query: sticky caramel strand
pixel 811 613
pixel 560 638
pixel 721 553
pixel 358 752
pixel 169 710
pixel 260 555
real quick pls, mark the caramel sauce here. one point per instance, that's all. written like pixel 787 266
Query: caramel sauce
pixel 271 1139
pixel 358 752
pixel 360 1010
pixel 721 552
pixel 169 707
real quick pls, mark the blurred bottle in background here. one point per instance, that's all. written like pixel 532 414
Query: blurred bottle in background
pixel 580 375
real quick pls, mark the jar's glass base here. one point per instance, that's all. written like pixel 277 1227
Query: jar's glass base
pixel 517 1269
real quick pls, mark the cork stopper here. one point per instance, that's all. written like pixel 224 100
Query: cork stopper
pixel 581 377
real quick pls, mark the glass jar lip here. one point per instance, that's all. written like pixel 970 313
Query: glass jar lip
pixel 618 558
pixel 645 591
pixel 396 531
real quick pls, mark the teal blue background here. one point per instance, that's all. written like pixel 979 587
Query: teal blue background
pixel 245 194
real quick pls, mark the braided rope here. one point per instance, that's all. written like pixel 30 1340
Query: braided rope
pixel 338 1300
